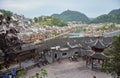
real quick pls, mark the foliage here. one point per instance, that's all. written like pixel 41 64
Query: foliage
pixel 21 74
pixel 49 21
pixel 41 74
pixel 107 27
pixel 112 64
pixel 6 13
pixel 113 16
pixel 70 16
pixel 37 75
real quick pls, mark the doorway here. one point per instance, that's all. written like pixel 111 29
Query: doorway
pixel 56 56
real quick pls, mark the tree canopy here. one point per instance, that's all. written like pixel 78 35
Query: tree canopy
pixel 112 64
pixel 6 13
pixel 108 27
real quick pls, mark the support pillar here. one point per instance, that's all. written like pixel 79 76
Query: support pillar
pixel 92 63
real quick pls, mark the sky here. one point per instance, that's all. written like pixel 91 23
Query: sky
pixel 35 8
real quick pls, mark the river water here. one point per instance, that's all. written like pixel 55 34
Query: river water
pixel 78 33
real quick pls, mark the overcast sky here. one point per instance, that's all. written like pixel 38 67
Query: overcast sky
pixel 34 8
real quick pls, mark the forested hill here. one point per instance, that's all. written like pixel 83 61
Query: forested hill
pixel 50 21
pixel 69 16
pixel 113 16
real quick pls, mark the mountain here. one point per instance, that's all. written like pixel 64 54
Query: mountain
pixel 113 16
pixel 69 16
pixel 49 21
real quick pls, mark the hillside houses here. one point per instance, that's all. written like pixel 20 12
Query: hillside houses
pixel 31 32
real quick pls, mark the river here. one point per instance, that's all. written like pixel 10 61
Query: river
pixel 78 33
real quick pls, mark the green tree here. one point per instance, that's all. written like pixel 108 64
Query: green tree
pixel 43 72
pixel 36 19
pixel 6 13
pixel 112 64
pixel 21 74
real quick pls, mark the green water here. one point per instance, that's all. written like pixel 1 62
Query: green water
pixel 78 33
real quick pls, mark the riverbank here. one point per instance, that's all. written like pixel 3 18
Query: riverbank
pixel 60 35
pixel 77 33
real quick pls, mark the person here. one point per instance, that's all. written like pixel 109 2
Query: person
pixel 5 75
pixel 10 76
pixel 13 72
pixel 39 65
pixel 94 76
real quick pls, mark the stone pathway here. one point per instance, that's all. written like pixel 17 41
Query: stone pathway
pixel 67 69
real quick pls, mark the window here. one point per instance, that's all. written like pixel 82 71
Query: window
pixel 64 54
pixel 76 52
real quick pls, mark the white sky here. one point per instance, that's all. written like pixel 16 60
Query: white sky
pixel 34 8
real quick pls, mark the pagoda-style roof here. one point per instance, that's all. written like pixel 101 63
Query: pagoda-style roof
pixel 98 46
pixel 86 52
pixel 98 56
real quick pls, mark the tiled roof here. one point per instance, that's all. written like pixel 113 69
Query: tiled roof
pixel 99 44
pixel 98 55
pixel 86 52
pixel 62 42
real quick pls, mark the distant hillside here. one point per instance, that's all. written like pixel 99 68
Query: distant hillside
pixel 113 16
pixel 6 13
pixel 69 16
pixel 49 21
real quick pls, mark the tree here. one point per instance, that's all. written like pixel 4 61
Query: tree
pixel 35 19
pixel 6 13
pixel 21 74
pixel 112 64
pixel 43 72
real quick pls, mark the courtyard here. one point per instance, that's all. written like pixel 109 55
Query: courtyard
pixel 68 69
